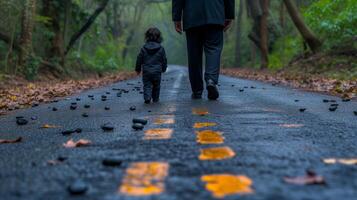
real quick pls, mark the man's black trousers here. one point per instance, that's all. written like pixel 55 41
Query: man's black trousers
pixel 207 39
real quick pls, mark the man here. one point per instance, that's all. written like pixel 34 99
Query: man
pixel 204 22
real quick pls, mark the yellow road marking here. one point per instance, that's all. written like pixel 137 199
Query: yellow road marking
pixel 341 161
pixel 144 178
pixel 216 153
pixel 204 124
pixel 200 111
pixel 164 121
pixel 209 137
pixel 221 185
pixel 158 134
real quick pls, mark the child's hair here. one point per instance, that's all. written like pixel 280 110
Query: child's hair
pixel 153 35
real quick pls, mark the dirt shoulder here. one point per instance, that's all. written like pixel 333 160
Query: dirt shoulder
pixel 331 74
pixel 17 93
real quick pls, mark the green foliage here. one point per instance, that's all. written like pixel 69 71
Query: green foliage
pixel 284 50
pixel 334 20
pixel 107 57
pixel 31 69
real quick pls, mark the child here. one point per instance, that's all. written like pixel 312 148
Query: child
pixel 152 62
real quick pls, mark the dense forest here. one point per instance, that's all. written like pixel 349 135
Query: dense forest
pixel 62 37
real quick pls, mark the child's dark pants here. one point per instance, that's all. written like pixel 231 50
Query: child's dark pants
pixel 152 84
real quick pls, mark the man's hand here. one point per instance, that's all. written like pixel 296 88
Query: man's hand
pixel 178 27
pixel 227 24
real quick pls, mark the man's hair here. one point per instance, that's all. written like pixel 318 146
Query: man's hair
pixel 153 34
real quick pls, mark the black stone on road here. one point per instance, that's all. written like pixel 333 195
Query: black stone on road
pixel 255 125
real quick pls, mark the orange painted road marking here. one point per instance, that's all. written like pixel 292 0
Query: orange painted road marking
pixel 216 153
pixel 344 161
pixel 144 179
pixel 164 121
pixel 209 137
pixel 200 111
pixel 221 185
pixel 158 134
pixel 204 124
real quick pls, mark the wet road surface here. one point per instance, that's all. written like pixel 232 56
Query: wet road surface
pixel 240 147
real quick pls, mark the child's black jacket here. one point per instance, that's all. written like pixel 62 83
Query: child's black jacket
pixel 151 59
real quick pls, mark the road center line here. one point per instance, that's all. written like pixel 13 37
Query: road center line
pixel 144 179
pixel 158 134
pixel 209 137
pixel 221 185
pixel 216 153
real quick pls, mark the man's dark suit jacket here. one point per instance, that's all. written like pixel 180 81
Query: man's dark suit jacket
pixel 196 13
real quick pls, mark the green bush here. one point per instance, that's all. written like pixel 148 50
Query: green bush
pixel 333 20
pixel 31 70
pixel 107 57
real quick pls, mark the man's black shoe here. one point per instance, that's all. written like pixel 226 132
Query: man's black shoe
pixel 147 101
pixel 212 89
pixel 196 96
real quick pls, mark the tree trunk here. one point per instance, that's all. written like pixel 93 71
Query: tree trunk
pixel 50 9
pixel 238 60
pixel 309 37
pixel 87 25
pixel 27 25
pixel 264 34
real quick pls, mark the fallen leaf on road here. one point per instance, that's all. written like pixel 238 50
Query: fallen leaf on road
pixel 49 126
pixel 311 178
pixel 341 161
pixel 19 139
pixel 80 143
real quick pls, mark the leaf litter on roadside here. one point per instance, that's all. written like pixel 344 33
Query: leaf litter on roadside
pixel 311 178
pixel 80 143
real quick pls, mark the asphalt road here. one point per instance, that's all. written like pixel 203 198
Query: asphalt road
pixel 260 134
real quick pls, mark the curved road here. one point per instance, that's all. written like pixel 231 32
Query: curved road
pixel 241 146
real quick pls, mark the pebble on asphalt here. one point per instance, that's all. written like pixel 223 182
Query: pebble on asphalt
pixel 106 108
pixel 73 107
pixel 302 109
pixel 54 109
pixel 355 112
pixel 68 132
pixel 138 126
pixel 85 115
pixel 112 162
pixel 21 121
pixel 140 121
pixel 333 109
pixel 132 108
pixel 107 127
pixel 87 106
pixel 78 187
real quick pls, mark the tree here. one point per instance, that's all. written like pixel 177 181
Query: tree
pixel 27 26
pixel 309 37
pixel 258 10
pixel 87 25
pixel 238 60
pixel 264 34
